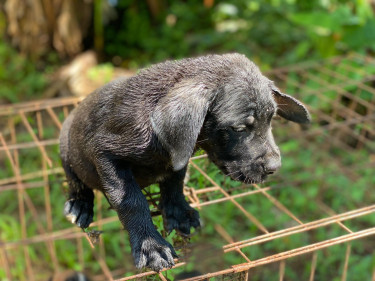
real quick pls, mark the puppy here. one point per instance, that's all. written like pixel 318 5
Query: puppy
pixel 142 130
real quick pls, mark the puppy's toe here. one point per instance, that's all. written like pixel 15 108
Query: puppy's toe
pixel 170 224
pixel 79 212
pixel 196 222
pixel 140 259
pixel 180 217
pixel 184 228
pixel 161 258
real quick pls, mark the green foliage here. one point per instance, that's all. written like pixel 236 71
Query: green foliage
pixel 346 27
pixel 270 32
pixel 20 79
pixel 101 72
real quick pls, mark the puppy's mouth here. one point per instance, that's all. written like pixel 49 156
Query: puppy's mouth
pixel 249 174
pixel 250 179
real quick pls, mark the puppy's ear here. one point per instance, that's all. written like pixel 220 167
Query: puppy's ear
pixel 290 108
pixel 178 119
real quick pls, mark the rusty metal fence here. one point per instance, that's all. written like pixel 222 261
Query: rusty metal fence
pixel 280 230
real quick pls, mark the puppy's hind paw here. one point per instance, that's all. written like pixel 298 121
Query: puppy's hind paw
pixel 155 254
pixel 79 212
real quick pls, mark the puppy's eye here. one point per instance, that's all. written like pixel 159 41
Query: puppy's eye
pixel 250 120
pixel 240 128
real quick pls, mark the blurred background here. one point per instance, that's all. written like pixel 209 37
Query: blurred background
pixel 107 37
pixel 54 52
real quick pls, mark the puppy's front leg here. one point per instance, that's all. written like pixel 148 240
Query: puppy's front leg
pixel 149 249
pixel 177 213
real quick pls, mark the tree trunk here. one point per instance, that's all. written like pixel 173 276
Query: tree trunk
pixel 39 26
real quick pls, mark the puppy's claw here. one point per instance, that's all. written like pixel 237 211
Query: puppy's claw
pixel 79 212
pixel 197 224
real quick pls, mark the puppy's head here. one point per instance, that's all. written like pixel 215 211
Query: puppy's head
pixel 229 116
pixel 237 133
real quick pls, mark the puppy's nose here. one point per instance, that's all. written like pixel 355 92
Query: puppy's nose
pixel 272 166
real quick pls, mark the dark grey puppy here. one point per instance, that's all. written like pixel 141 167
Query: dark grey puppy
pixel 142 130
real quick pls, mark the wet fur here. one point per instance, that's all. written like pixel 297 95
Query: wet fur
pixel 138 131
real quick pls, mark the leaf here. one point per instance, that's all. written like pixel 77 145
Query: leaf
pixel 360 36
pixel 324 23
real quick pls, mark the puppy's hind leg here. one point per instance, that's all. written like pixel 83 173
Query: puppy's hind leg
pixel 79 208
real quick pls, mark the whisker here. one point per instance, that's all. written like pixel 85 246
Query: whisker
pixel 229 174
pixel 246 180
pixel 238 177
pixel 201 140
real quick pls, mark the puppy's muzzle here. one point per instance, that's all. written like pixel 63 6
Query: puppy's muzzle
pixel 272 166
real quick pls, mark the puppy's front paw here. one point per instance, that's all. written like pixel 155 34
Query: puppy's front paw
pixel 79 212
pixel 154 253
pixel 179 216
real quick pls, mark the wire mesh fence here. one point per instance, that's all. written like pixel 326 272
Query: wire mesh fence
pixel 314 220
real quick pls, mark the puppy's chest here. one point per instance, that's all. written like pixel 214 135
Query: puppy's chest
pixel 147 175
